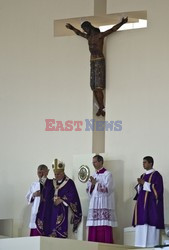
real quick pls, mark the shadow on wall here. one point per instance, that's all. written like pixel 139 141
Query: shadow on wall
pixel 124 206
pixel 23 229
pixel 166 205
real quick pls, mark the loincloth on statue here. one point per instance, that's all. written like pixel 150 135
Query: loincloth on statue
pixel 97 73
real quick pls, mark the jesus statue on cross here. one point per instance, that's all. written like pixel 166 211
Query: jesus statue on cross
pixel 97 60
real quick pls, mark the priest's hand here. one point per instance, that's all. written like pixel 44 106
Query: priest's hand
pixel 57 200
pixel 93 181
pixel 36 194
pixel 140 181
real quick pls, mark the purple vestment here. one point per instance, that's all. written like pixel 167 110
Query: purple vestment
pixel 101 234
pixel 34 232
pixel 52 220
pixel 149 205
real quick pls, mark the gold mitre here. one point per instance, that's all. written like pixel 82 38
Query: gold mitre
pixel 58 165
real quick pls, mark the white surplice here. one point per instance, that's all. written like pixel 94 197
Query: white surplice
pixel 146 236
pixel 34 202
pixel 102 203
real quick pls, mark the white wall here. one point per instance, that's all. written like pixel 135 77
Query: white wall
pixel 137 94
pixel 42 77
pixel 38 82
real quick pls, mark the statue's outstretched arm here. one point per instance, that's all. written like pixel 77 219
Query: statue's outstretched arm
pixel 115 27
pixel 76 31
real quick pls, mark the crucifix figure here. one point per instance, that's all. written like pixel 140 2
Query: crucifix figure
pixel 97 60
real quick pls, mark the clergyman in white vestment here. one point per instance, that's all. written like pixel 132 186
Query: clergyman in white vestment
pixel 101 214
pixel 33 197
